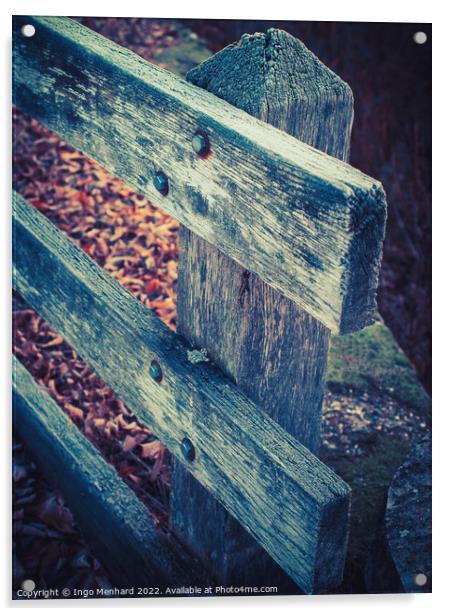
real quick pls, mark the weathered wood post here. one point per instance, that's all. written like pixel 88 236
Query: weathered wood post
pixel 274 351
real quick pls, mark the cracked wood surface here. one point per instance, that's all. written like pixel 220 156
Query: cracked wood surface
pixel 289 501
pixel 308 224
pixel 115 522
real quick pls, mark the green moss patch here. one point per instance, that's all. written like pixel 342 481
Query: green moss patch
pixel 189 51
pixel 372 360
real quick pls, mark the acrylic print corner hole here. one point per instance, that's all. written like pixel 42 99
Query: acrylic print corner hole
pixel 28 30
pixel 420 38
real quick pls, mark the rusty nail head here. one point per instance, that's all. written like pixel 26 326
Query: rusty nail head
pixel 187 449
pixel 200 143
pixel 155 371
pixel 161 182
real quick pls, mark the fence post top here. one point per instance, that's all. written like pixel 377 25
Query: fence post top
pixel 264 61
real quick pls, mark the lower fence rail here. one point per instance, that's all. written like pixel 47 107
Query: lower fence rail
pixel 115 522
pixel 287 499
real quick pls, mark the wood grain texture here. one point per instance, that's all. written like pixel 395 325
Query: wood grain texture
pixel 309 225
pixel 273 350
pixel 276 488
pixel 115 522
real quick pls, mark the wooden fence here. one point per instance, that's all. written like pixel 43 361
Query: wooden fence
pixel 280 245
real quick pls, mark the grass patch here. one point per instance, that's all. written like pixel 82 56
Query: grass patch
pixel 372 360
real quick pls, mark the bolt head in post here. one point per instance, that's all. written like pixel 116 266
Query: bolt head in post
pixel 187 449
pixel 161 182
pixel 200 143
pixel 156 371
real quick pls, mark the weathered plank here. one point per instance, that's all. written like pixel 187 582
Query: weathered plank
pixel 116 523
pixel 273 350
pixel 308 224
pixel 277 489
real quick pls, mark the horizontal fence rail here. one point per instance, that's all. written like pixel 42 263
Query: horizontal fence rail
pixel 113 519
pixel 308 224
pixel 290 502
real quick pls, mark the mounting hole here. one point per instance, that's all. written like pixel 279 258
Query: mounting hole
pixel 420 579
pixel 420 38
pixel 28 30
pixel 28 585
